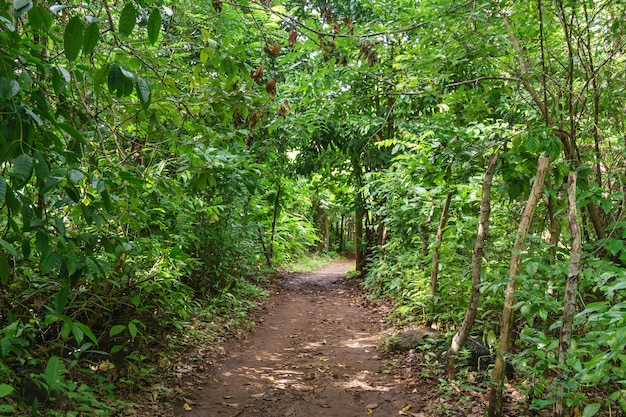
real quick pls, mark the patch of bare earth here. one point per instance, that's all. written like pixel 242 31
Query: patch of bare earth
pixel 313 354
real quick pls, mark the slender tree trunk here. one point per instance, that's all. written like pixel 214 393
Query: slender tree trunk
pixel 359 241
pixel 458 341
pixel 341 232
pixel 569 305
pixel 274 219
pixel 506 330
pixel 567 140
pixel 442 223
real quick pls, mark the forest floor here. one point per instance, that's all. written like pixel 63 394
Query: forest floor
pixel 316 351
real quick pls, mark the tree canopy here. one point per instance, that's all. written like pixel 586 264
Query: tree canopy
pixel 159 159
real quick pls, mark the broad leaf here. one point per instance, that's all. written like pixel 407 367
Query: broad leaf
pixel 128 20
pixel 50 261
pixel 22 170
pixel 144 93
pixel 591 410
pixel 117 329
pixel 54 373
pixel 154 26
pixel 21 6
pixel 5 390
pixel 120 81
pixel 73 38
pixel 3 189
pixel 8 247
pixel 41 167
pixel 91 38
pixel 40 18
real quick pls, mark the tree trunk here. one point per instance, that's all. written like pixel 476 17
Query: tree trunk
pixel 359 240
pixel 458 341
pixel 569 305
pixel 274 219
pixel 442 223
pixel 495 398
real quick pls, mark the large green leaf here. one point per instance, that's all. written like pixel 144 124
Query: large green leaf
pixel 50 261
pixel 128 19
pixel 144 92
pixel 154 25
pixel 21 6
pixel 91 38
pixel 120 81
pixel 22 170
pixel 41 168
pixel 54 373
pixel 8 247
pixel 40 18
pixel 73 38
pixel 5 390
pixel 3 189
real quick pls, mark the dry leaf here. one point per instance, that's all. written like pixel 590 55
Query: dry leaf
pixel 258 73
pixel 293 37
pixel 335 28
pixel 273 50
pixel 270 87
pixel 282 111
pixel 217 5
pixel 348 23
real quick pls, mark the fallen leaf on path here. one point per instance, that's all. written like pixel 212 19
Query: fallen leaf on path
pixel 186 407
pixel 259 395
pixel 372 406
pixel 403 412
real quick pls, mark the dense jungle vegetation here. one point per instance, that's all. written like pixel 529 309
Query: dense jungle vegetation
pixel 160 160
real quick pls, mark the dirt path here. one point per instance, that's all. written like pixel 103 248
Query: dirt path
pixel 314 354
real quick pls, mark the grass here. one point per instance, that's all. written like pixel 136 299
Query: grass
pixel 311 262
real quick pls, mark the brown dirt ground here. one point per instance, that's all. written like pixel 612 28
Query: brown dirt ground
pixel 314 353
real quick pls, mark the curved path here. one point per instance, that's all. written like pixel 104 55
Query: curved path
pixel 313 354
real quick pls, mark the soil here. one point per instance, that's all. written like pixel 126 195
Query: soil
pixel 314 353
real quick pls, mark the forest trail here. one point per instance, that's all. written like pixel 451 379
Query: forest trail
pixel 314 353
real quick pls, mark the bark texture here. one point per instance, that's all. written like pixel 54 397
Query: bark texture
pixel 506 330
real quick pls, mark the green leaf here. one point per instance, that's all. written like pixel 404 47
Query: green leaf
pixel 3 189
pixel 91 38
pixel 50 261
pixel 41 167
pixel 60 299
pixel 5 269
pixel 72 132
pixel 531 268
pixel 591 410
pixel 40 18
pixel 87 331
pixel 22 170
pixel 21 6
pixel 144 92
pixel 154 26
pixel 8 247
pixel 53 375
pixel 117 329
pixel 73 38
pixel 78 333
pixel 120 81
pixel 5 390
pixel 128 19
pixel 132 329
pixel 99 78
